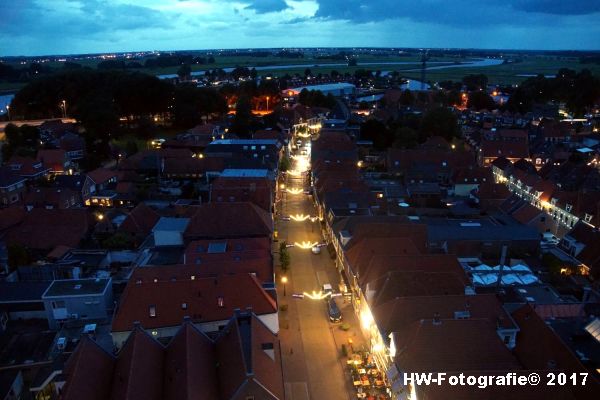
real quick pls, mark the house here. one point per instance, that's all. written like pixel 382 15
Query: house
pixel 28 168
pixel 22 300
pixel 539 347
pixel 161 304
pixel 78 299
pixel 12 186
pixel 267 150
pixel 242 186
pixel 50 198
pixel 247 255
pixel 169 231
pixel 75 183
pixel 581 242
pixel 73 146
pixel 42 229
pixel 11 385
pixel 139 222
pixel 100 184
pixel 511 150
pixel 242 362
pixel 228 220
pixel 470 346
pixel 55 159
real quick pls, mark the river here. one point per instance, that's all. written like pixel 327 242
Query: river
pixel 484 62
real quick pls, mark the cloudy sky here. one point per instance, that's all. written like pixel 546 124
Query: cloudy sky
pixel 36 27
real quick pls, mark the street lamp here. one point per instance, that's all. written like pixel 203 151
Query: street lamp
pixel 63 105
pixel 267 103
pixel 284 280
pixel 8 111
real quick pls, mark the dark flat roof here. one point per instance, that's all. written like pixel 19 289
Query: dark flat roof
pixel 22 291
pixel 76 287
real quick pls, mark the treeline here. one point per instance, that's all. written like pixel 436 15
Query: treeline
pixel 316 98
pixel 579 90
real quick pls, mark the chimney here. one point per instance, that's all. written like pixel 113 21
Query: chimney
pixel 436 319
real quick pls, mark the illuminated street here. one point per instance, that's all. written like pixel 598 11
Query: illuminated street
pixel 311 345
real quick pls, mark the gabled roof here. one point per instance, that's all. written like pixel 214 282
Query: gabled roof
pixel 52 158
pixel 205 298
pixel 398 313
pixel 140 220
pixel 43 229
pixel 88 372
pixel 8 177
pixel 509 149
pixel 138 374
pixel 102 175
pixel 190 368
pixel 452 345
pixel 414 283
pixel 228 220
pixel 539 347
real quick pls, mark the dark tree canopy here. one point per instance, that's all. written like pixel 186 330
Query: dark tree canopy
pixel 439 122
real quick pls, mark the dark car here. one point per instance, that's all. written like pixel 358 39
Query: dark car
pixel 334 312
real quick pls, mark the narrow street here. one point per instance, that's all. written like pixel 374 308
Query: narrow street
pixel 311 345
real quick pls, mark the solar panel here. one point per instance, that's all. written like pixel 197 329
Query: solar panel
pixel 593 329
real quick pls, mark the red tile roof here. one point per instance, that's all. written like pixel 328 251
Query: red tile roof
pixel 44 229
pixel 509 149
pixel 88 372
pixel 138 373
pixel 102 175
pixel 199 294
pixel 399 313
pixel 53 159
pixel 258 191
pixel 539 347
pixel 140 221
pixel 452 345
pixel 228 220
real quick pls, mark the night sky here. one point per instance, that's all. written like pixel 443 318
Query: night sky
pixel 37 27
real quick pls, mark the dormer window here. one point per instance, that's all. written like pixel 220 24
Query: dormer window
pixel 587 217
pixel 221 301
pixel 569 207
pixel 152 311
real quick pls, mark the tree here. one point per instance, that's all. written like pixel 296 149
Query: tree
pixel 284 164
pixel 131 148
pixel 284 256
pixel 480 100
pixel 17 256
pixel 307 72
pixel 184 72
pixel 406 98
pixel 118 241
pixel 243 117
pixel 377 132
pixel 405 138
pixel 475 81
pixel 439 122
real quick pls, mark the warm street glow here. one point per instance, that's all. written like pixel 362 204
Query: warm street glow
pixel 295 191
pixel 366 318
pixel 299 217
pixel 316 295
pixel 284 279
pixel 306 245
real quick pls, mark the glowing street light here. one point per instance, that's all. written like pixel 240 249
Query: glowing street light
pixel 267 103
pixel 316 295
pixel 284 280
pixel 295 191
pixel 306 245
pixel 299 217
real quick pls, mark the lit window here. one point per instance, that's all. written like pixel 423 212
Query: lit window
pixel 220 301
pixel 152 311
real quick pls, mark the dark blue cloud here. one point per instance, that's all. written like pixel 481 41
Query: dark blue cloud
pixel 267 6
pixel 456 12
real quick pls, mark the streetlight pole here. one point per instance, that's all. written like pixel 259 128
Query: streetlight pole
pixel 267 103
pixel 8 111
pixel 64 108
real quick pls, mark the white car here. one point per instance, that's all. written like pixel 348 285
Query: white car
pixel 316 249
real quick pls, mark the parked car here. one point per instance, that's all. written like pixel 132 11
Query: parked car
pixel 327 288
pixel 335 315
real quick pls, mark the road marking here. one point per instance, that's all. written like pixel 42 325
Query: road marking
pixel 322 278
pixel 296 391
